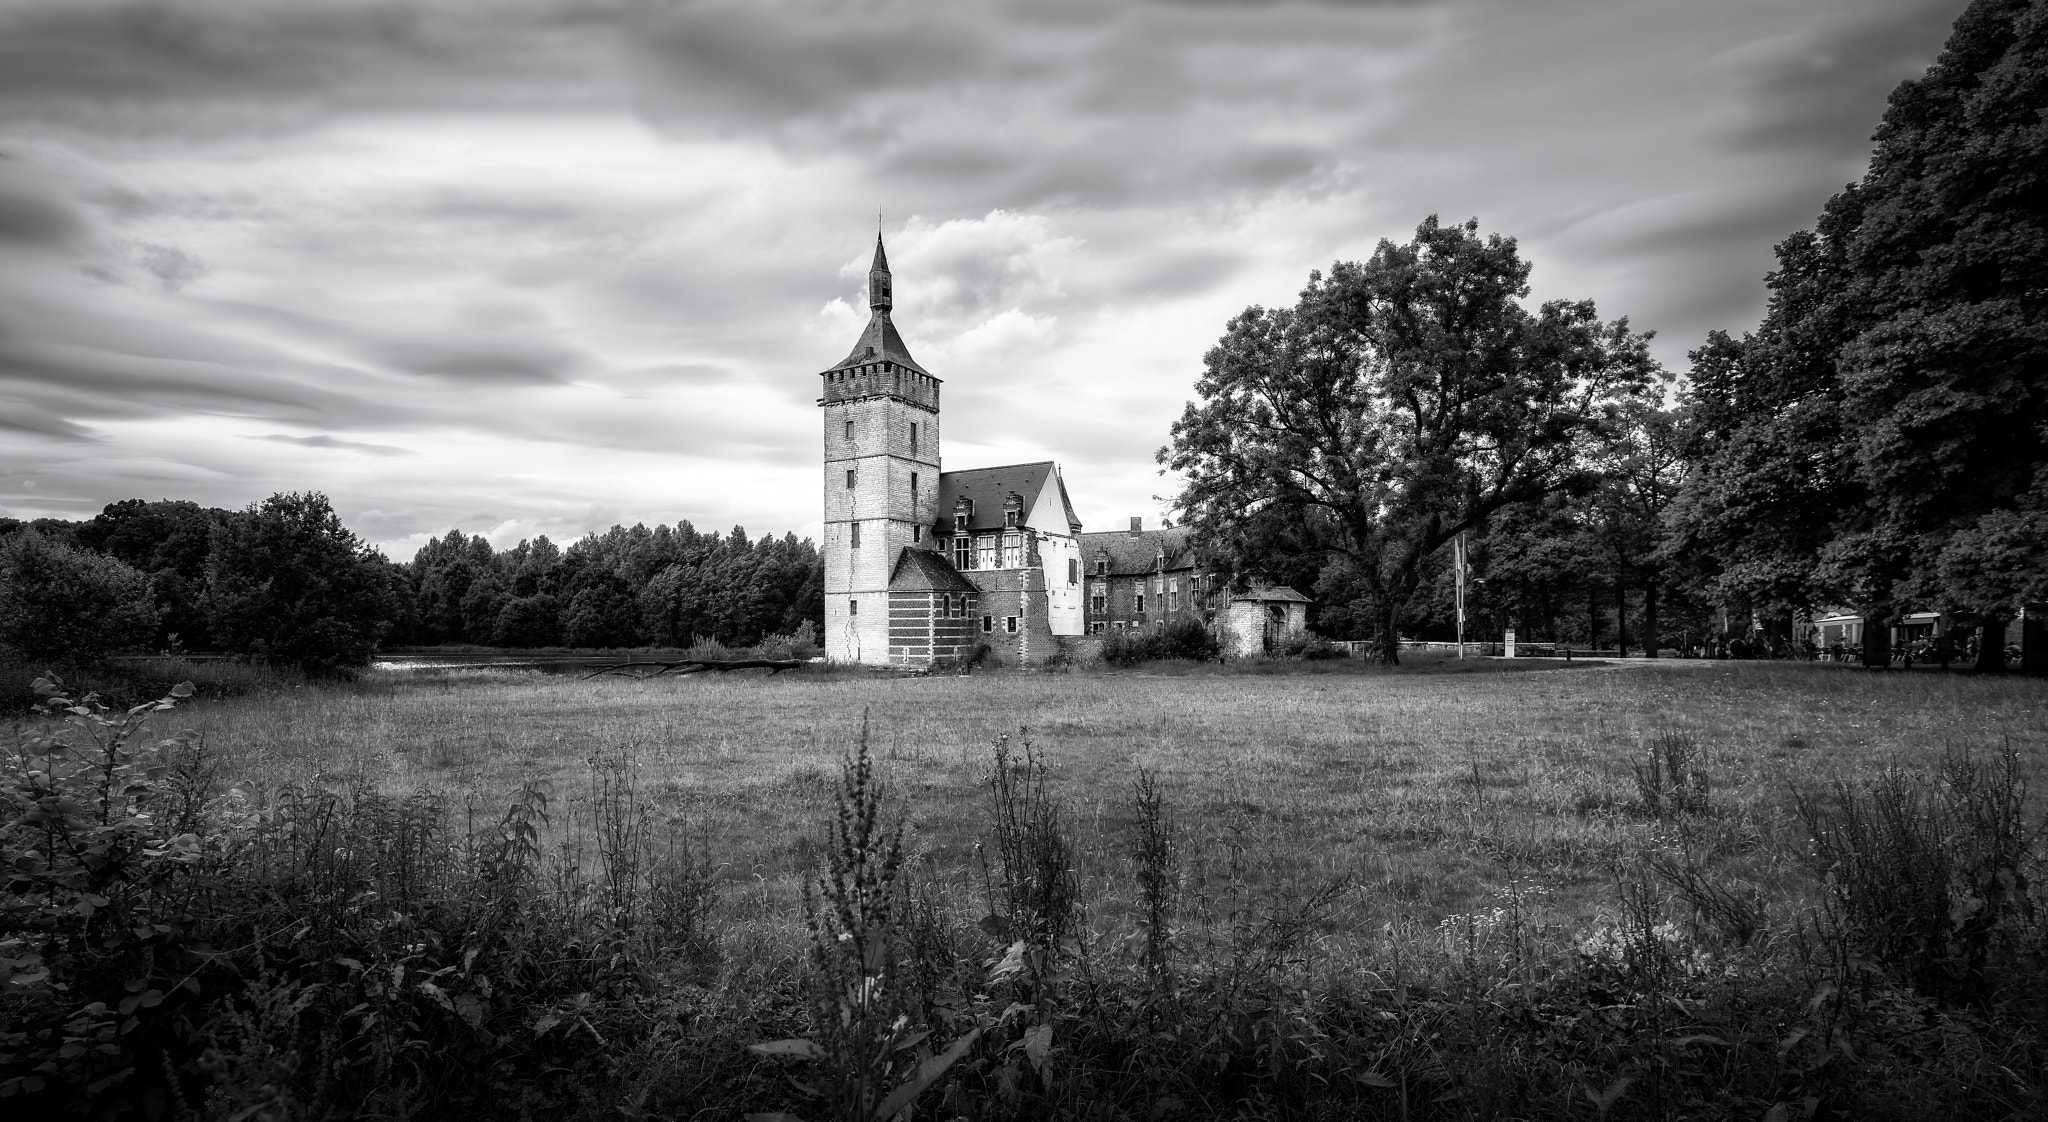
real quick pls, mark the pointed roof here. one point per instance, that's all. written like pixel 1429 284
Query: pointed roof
pixel 1046 505
pixel 878 342
pixel 881 264
pixel 921 570
pixel 1271 594
pixel 1132 554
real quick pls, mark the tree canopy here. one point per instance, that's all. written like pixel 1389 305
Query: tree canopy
pixel 69 605
pixel 1879 440
pixel 287 584
pixel 1400 402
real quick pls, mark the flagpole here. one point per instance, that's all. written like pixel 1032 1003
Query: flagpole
pixel 1459 546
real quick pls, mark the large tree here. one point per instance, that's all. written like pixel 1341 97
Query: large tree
pixel 70 605
pixel 289 585
pixel 1400 402
pixel 1879 440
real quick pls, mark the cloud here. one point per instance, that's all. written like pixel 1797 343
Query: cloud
pixel 28 417
pixel 214 69
pixel 579 260
pixel 324 441
pixel 1823 90
pixel 33 219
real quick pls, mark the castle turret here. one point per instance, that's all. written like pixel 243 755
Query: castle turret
pixel 881 474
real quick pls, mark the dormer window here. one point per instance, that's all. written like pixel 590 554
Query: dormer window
pixel 1010 518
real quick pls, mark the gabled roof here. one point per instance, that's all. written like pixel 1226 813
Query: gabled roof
pixel 878 342
pixel 921 570
pixel 1046 505
pixel 1274 594
pixel 1133 554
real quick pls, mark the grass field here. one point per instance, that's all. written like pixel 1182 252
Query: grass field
pixel 1455 891
pixel 1426 794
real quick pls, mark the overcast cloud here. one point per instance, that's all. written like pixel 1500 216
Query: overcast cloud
pixel 539 266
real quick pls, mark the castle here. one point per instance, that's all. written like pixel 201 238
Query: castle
pixel 924 565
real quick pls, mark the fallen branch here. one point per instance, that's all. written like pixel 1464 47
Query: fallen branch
pixel 773 666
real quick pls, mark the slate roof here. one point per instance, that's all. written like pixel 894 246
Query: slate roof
pixel 878 342
pixel 1270 595
pixel 1039 484
pixel 1135 554
pixel 921 570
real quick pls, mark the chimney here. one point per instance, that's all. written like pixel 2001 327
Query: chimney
pixel 1137 523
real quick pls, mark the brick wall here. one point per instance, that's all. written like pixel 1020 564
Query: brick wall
pixel 890 512
pixel 1121 599
pixel 923 630
pixel 858 637
pixel 1019 593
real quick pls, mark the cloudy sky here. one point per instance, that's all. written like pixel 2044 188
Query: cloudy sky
pixel 542 266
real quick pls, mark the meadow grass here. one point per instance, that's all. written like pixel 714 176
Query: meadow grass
pixel 1424 795
pixel 1268 890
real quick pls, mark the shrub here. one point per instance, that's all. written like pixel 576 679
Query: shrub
pixel 1933 881
pixel 529 621
pixel 1312 648
pixel 1671 775
pixel 288 585
pixel 70 605
pixel 1181 638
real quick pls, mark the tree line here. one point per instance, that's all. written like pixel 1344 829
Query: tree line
pixel 1875 444
pixel 284 582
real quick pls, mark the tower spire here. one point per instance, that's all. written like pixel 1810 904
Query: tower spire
pixel 878 273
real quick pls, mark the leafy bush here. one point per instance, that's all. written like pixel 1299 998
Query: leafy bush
pixel 288 585
pixel 529 621
pixel 63 604
pixel 1312 647
pixel 1934 881
pixel 1177 639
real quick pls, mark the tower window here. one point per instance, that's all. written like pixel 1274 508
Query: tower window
pixel 913 487
pixel 1073 570
pixel 913 440
pixel 856 536
pixel 853 607
pixel 916 532
pixel 849 430
pixel 1010 624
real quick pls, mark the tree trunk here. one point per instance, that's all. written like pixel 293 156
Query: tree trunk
pixel 1991 646
pixel 1592 617
pixel 1620 611
pixel 1877 638
pixel 1650 618
pixel 1390 638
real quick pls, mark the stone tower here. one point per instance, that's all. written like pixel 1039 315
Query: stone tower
pixel 881 475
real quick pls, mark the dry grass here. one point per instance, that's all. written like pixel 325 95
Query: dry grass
pixel 1426 796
